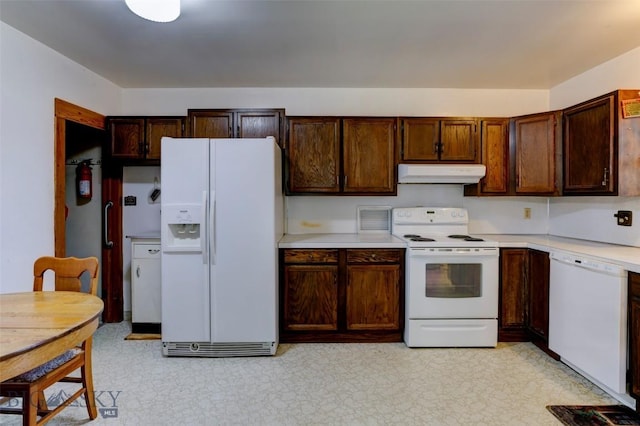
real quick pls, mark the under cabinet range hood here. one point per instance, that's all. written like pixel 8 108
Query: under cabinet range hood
pixel 440 173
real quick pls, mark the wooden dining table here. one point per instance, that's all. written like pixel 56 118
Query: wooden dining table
pixel 37 326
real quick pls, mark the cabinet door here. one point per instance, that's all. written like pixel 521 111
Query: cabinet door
pixel 458 140
pixel 373 297
pixel 634 334
pixel 127 137
pixel 313 154
pixel 259 124
pixel 535 154
pixel 310 299
pixel 539 293
pixel 495 156
pixel 210 123
pixel 589 148
pixel 157 127
pixel 512 315
pixel 145 284
pixel 369 155
pixel 420 139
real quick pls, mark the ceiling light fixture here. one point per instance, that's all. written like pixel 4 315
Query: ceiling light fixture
pixel 155 10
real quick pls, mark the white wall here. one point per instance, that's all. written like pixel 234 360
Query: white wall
pixel 335 101
pixel 31 76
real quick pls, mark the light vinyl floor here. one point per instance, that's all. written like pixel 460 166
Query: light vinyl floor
pixel 326 384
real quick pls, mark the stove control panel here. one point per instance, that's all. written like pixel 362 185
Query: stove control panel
pixel 430 215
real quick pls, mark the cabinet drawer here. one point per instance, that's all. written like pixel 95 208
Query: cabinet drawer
pixel 146 251
pixel 373 256
pixel 311 256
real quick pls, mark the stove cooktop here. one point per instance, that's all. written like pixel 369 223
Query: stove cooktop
pixel 458 240
pixel 435 227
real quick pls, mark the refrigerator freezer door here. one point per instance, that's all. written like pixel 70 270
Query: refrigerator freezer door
pixel 185 269
pixel 249 224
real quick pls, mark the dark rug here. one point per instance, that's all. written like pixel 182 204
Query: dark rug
pixel 595 415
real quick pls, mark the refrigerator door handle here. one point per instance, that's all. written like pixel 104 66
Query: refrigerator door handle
pixel 203 240
pixel 212 226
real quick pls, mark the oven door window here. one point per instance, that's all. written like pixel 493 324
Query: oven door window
pixel 453 280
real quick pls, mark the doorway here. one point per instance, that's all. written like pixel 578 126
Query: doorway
pixel 81 131
pixel 83 192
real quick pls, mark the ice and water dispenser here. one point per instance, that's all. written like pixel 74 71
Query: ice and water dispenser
pixel 184 228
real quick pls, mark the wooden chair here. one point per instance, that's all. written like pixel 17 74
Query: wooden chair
pixel 30 386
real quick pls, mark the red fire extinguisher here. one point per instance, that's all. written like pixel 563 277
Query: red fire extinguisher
pixel 83 179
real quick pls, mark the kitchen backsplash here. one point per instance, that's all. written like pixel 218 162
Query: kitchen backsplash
pixel 589 218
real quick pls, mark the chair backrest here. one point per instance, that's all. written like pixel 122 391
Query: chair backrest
pixel 67 272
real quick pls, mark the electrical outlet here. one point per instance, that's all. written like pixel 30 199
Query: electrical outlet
pixel 624 217
pixel 527 212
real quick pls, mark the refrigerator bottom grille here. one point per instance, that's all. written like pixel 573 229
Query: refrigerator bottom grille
pixel 218 350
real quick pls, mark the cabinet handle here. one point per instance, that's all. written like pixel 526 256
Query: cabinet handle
pixel 435 147
pixel 138 271
pixel 605 177
pixel 153 251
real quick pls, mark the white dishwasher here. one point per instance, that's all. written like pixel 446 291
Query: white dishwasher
pixel 588 318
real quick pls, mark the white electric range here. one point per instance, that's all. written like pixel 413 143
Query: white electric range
pixel 451 279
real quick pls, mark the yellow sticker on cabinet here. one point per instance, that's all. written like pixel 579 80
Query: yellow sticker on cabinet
pixel 631 108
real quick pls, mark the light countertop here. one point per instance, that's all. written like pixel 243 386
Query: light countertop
pixel 626 256
pixel 364 240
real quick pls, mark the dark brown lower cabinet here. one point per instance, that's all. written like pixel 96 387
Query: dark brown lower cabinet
pixel 341 295
pixel 524 297
pixel 512 315
pixel 634 337
pixel 538 282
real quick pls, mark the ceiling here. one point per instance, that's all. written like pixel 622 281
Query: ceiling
pixel 510 44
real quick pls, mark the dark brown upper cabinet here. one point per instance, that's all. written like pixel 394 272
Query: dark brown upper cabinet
pixel 522 154
pixel 602 147
pixel 494 139
pixel 236 123
pixel 138 138
pixel 433 140
pixel 313 154
pixel 333 155
pixel 537 155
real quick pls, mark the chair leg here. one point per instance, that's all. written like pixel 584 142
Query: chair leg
pixel 87 380
pixel 29 409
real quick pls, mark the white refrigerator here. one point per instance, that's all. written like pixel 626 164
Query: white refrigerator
pixel 222 216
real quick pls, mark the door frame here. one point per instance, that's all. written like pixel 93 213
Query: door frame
pixel 111 189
